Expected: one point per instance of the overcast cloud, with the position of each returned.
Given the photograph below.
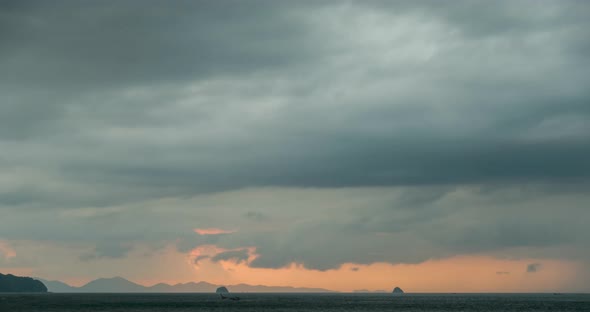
(323, 132)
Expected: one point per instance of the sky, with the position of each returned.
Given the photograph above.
(436, 146)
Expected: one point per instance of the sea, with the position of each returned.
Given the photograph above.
(293, 302)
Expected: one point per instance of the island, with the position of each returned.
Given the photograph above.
(222, 290)
(397, 291)
(11, 283)
(224, 294)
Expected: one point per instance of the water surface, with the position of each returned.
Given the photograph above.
(294, 302)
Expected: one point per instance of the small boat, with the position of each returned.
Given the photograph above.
(235, 298)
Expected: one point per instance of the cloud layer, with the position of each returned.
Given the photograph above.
(323, 133)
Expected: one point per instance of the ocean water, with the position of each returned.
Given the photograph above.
(294, 302)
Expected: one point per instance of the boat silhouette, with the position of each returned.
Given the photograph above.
(235, 298)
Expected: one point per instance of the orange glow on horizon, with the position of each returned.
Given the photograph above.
(464, 273)
(17, 271)
(476, 273)
(213, 231)
(6, 250)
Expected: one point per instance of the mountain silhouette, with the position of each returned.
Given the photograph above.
(12, 283)
(57, 286)
(115, 284)
(187, 287)
(121, 285)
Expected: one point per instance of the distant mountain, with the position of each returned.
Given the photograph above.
(11, 283)
(262, 288)
(369, 291)
(115, 285)
(101, 285)
(57, 286)
(187, 287)
(119, 284)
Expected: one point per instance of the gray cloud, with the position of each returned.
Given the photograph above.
(112, 42)
(107, 250)
(237, 256)
(446, 132)
(142, 101)
(328, 227)
(256, 216)
(533, 267)
(199, 258)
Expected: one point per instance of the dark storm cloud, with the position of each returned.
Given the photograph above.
(533, 267)
(370, 226)
(52, 54)
(109, 107)
(96, 44)
(237, 256)
(107, 250)
(79, 72)
(256, 216)
(190, 241)
(482, 18)
(199, 258)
